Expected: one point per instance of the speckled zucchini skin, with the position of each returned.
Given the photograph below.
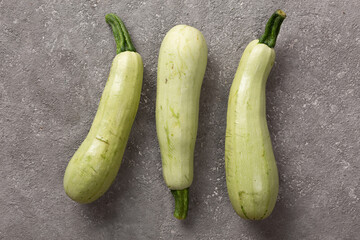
(96, 163)
(181, 69)
(251, 172)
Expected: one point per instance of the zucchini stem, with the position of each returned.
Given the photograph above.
(181, 203)
(117, 31)
(121, 35)
(129, 46)
(272, 28)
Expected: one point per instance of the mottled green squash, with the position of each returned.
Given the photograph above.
(181, 69)
(251, 172)
(96, 163)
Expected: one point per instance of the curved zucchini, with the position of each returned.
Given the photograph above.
(251, 172)
(95, 164)
(181, 69)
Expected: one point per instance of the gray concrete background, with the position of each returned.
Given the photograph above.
(54, 61)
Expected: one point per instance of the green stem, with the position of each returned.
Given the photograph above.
(117, 31)
(130, 46)
(121, 35)
(272, 28)
(181, 203)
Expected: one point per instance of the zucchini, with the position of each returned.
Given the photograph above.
(181, 68)
(96, 163)
(251, 172)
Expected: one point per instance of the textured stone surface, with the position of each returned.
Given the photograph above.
(54, 60)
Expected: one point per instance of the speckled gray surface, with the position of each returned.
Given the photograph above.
(54, 61)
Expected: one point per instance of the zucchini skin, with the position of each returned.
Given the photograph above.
(96, 163)
(251, 172)
(181, 68)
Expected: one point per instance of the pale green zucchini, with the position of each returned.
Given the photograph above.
(251, 172)
(181, 69)
(95, 164)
